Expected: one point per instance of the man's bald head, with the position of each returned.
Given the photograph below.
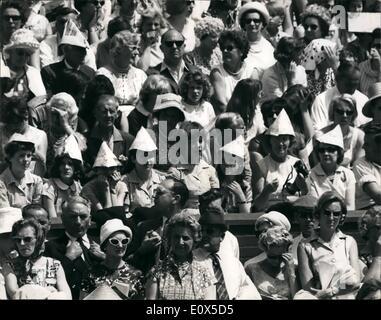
(172, 35)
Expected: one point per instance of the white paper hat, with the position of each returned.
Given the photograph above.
(333, 137)
(20, 138)
(105, 157)
(281, 126)
(72, 148)
(73, 36)
(235, 147)
(103, 292)
(143, 141)
(8, 216)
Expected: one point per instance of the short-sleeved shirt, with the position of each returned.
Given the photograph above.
(202, 113)
(320, 183)
(58, 192)
(186, 281)
(141, 193)
(25, 192)
(365, 172)
(94, 191)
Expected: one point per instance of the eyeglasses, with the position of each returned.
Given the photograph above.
(14, 18)
(256, 21)
(25, 239)
(342, 112)
(313, 27)
(178, 43)
(189, 2)
(98, 2)
(115, 242)
(328, 213)
(228, 48)
(327, 149)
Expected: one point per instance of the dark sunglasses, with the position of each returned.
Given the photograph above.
(102, 3)
(328, 149)
(256, 21)
(25, 239)
(329, 213)
(313, 27)
(178, 43)
(342, 112)
(14, 18)
(228, 48)
(116, 242)
(189, 2)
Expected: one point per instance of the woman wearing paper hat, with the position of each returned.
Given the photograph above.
(27, 79)
(141, 179)
(329, 175)
(113, 272)
(329, 271)
(372, 107)
(343, 112)
(277, 170)
(64, 178)
(106, 189)
(23, 187)
(237, 195)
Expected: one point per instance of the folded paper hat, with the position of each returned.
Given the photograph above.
(18, 137)
(103, 292)
(23, 39)
(333, 137)
(257, 6)
(168, 100)
(111, 226)
(72, 149)
(105, 157)
(281, 126)
(235, 147)
(276, 218)
(8, 216)
(143, 141)
(73, 36)
(374, 93)
(314, 53)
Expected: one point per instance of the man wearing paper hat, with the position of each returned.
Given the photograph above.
(372, 108)
(142, 180)
(73, 45)
(106, 189)
(367, 169)
(328, 174)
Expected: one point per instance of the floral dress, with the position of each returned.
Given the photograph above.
(186, 281)
(126, 281)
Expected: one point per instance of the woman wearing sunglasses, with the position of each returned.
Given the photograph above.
(28, 274)
(13, 17)
(113, 271)
(328, 262)
(328, 174)
(343, 112)
(179, 276)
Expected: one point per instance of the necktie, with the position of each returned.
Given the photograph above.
(222, 293)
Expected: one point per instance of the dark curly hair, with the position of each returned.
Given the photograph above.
(238, 37)
(15, 146)
(197, 77)
(117, 24)
(288, 49)
(15, 4)
(326, 199)
(76, 164)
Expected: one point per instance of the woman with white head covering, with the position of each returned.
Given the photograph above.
(328, 174)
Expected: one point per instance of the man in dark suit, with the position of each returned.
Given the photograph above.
(146, 247)
(74, 52)
(74, 249)
(173, 67)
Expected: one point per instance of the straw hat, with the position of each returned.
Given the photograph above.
(143, 141)
(333, 137)
(276, 218)
(73, 36)
(111, 226)
(72, 149)
(235, 147)
(23, 39)
(106, 158)
(281, 126)
(374, 93)
(254, 6)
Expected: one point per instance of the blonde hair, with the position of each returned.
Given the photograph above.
(124, 39)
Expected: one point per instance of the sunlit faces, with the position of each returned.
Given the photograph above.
(172, 45)
(76, 219)
(164, 195)
(280, 145)
(66, 169)
(212, 236)
(312, 29)
(106, 111)
(150, 25)
(116, 245)
(305, 221)
(230, 53)
(195, 92)
(181, 241)
(26, 241)
(21, 160)
(330, 216)
(328, 154)
(11, 20)
(253, 22)
(343, 113)
(144, 161)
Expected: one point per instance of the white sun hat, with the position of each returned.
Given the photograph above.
(112, 226)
